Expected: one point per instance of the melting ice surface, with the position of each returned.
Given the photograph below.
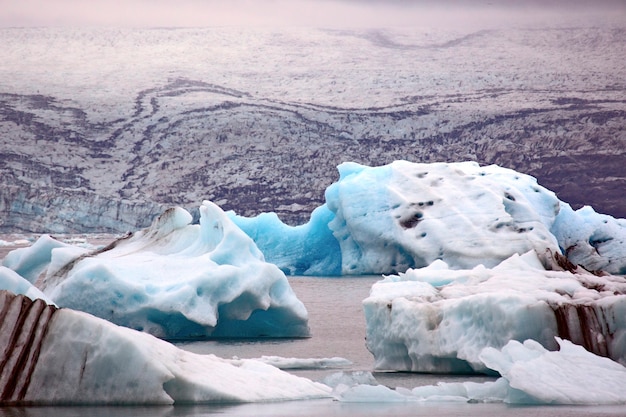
(530, 375)
(63, 356)
(483, 250)
(478, 253)
(387, 219)
(173, 280)
(15, 283)
(437, 319)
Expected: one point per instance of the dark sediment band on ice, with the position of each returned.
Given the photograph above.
(23, 326)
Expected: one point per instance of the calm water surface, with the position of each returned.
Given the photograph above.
(338, 330)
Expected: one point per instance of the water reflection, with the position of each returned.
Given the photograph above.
(320, 408)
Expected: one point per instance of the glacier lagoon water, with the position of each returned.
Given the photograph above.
(338, 329)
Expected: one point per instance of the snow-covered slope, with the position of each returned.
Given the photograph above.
(257, 120)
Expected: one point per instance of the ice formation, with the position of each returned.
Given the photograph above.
(15, 283)
(309, 249)
(62, 356)
(309, 363)
(405, 215)
(530, 375)
(596, 241)
(570, 376)
(177, 281)
(30, 262)
(437, 319)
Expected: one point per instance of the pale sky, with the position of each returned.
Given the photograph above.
(322, 13)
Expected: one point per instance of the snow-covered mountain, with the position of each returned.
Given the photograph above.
(101, 129)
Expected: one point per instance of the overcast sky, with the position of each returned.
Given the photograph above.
(324, 13)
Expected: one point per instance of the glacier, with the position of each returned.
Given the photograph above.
(387, 219)
(84, 147)
(531, 375)
(436, 319)
(62, 356)
(174, 280)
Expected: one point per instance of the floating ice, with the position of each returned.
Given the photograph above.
(177, 281)
(308, 363)
(530, 375)
(438, 320)
(368, 394)
(31, 261)
(570, 376)
(350, 379)
(86, 360)
(309, 249)
(405, 215)
(596, 241)
(11, 281)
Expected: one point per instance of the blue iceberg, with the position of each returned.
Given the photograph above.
(175, 280)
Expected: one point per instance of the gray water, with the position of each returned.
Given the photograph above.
(338, 329)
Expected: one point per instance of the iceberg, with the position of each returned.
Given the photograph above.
(439, 320)
(570, 376)
(62, 356)
(387, 219)
(15, 283)
(30, 262)
(308, 249)
(595, 241)
(176, 280)
(530, 375)
(406, 215)
(308, 363)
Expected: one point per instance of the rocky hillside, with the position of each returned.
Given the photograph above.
(101, 129)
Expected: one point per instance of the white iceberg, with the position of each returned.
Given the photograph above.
(15, 283)
(530, 375)
(439, 320)
(406, 215)
(179, 281)
(62, 356)
(595, 241)
(304, 363)
(570, 376)
(387, 219)
(30, 262)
